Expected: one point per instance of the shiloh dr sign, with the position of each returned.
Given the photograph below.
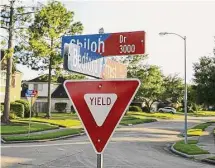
(100, 105)
(110, 44)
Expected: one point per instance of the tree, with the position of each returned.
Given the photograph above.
(204, 78)
(44, 36)
(151, 79)
(13, 19)
(173, 89)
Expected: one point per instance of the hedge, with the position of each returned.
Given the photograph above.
(60, 107)
(135, 108)
(26, 107)
(17, 108)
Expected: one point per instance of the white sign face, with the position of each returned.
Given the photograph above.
(100, 105)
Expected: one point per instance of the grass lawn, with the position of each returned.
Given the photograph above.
(204, 113)
(156, 115)
(198, 129)
(211, 158)
(17, 127)
(190, 148)
(135, 120)
(61, 119)
(49, 135)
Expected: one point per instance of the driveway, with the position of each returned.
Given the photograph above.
(144, 145)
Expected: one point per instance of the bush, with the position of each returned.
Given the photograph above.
(72, 109)
(2, 108)
(26, 107)
(12, 115)
(18, 109)
(60, 107)
(135, 108)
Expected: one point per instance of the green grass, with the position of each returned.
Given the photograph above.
(212, 158)
(204, 113)
(156, 115)
(198, 129)
(17, 127)
(61, 119)
(190, 148)
(127, 120)
(49, 135)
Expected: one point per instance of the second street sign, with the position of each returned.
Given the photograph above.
(83, 61)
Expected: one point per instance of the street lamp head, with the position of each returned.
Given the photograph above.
(163, 33)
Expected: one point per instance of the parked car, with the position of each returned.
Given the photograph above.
(167, 110)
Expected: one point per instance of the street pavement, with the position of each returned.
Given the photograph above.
(139, 146)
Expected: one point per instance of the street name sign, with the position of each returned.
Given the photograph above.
(80, 60)
(100, 105)
(110, 44)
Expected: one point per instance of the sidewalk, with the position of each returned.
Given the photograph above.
(207, 142)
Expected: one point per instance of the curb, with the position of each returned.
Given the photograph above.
(44, 140)
(180, 153)
(209, 161)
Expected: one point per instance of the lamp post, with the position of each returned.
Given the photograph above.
(185, 81)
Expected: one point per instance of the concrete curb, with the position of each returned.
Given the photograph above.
(180, 153)
(44, 140)
(209, 161)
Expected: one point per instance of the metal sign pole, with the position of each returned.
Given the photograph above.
(29, 127)
(100, 160)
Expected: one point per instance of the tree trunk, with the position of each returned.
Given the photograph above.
(48, 115)
(5, 117)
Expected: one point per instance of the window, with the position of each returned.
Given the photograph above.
(35, 86)
(3, 78)
(40, 87)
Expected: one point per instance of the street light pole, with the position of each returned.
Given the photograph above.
(185, 82)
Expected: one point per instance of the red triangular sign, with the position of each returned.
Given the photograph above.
(100, 105)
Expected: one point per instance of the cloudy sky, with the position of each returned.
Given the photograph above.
(193, 19)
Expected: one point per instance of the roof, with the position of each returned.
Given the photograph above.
(59, 92)
(42, 78)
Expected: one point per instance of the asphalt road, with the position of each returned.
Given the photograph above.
(140, 146)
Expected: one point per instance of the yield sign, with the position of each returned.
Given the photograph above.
(100, 105)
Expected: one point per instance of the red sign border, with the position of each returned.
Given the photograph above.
(105, 80)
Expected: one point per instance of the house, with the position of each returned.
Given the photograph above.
(15, 87)
(58, 94)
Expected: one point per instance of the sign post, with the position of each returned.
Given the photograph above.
(30, 94)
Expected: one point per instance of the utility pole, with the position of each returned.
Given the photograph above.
(5, 117)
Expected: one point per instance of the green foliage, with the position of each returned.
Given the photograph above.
(135, 108)
(2, 107)
(127, 120)
(44, 35)
(60, 107)
(12, 115)
(204, 77)
(26, 106)
(151, 79)
(18, 109)
(173, 89)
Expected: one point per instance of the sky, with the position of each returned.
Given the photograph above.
(193, 19)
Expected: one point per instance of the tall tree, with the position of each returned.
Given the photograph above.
(204, 77)
(13, 20)
(151, 79)
(44, 35)
(173, 89)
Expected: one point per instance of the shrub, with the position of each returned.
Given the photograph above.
(72, 109)
(26, 107)
(12, 115)
(17, 108)
(135, 108)
(2, 108)
(60, 107)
